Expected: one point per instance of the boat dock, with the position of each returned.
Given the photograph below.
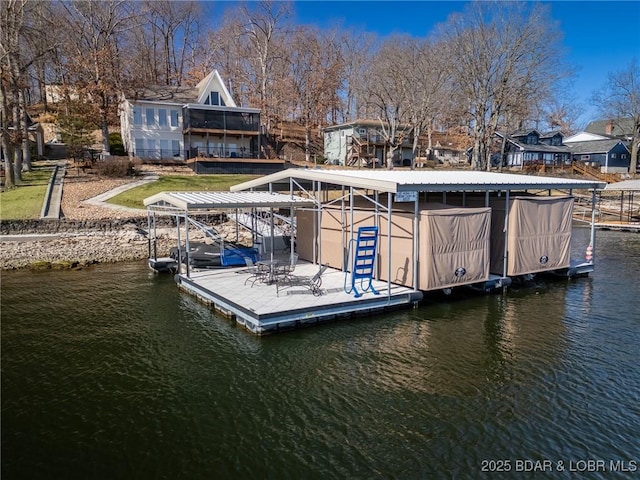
(404, 233)
(264, 308)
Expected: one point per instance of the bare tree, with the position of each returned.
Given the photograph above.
(316, 73)
(93, 54)
(19, 19)
(426, 89)
(163, 39)
(387, 87)
(228, 52)
(356, 51)
(503, 56)
(619, 100)
(264, 31)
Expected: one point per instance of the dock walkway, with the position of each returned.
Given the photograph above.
(263, 308)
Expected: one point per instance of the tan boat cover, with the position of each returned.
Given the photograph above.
(539, 234)
(453, 245)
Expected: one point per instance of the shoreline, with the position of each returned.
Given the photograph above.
(63, 246)
(75, 250)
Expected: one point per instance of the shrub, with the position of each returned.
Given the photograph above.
(114, 167)
(115, 144)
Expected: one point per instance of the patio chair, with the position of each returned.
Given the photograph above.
(256, 272)
(312, 283)
(316, 281)
(284, 271)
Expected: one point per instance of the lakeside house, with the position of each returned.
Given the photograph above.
(362, 143)
(202, 126)
(525, 148)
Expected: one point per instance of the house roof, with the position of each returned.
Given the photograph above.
(594, 146)
(583, 137)
(186, 95)
(360, 122)
(414, 180)
(168, 93)
(538, 147)
(224, 200)
(620, 127)
(552, 133)
(523, 133)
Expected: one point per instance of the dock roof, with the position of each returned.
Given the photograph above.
(416, 180)
(626, 185)
(222, 200)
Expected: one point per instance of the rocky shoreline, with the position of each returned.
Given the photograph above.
(61, 246)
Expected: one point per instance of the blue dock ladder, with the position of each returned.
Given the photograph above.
(364, 256)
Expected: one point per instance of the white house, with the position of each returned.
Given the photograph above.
(189, 123)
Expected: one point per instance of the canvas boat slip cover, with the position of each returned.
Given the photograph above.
(538, 232)
(364, 256)
(453, 244)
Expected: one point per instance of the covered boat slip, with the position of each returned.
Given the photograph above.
(264, 307)
(445, 246)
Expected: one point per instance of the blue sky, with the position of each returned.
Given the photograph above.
(600, 36)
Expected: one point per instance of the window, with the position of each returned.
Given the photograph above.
(164, 147)
(623, 156)
(151, 144)
(151, 117)
(614, 155)
(137, 116)
(174, 118)
(139, 146)
(585, 157)
(175, 146)
(214, 98)
(162, 117)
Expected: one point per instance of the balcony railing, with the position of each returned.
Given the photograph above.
(223, 152)
(160, 154)
(221, 120)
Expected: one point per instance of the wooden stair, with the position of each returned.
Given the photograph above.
(586, 170)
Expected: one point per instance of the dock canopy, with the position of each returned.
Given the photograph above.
(625, 186)
(417, 181)
(193, 201)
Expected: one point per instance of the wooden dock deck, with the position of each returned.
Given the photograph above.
(264, 308)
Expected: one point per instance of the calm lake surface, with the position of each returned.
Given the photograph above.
(113, 373)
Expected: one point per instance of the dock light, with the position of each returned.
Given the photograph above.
(589, 253)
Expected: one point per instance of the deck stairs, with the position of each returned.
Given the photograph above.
(592, 172)
(358, 151)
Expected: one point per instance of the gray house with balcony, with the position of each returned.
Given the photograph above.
(361, 142)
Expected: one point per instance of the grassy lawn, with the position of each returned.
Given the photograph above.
(25, 201)
(176, 183)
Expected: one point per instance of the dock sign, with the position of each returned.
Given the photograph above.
(406, 196)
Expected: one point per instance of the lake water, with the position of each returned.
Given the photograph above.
(112, 373)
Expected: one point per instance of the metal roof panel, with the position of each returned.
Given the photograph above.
(223, 200)
(424, 181)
